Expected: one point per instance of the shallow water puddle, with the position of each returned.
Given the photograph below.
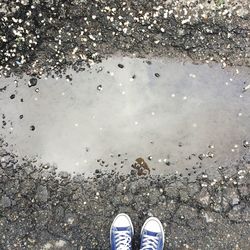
(173, 116)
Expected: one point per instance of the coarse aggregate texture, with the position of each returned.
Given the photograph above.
(42, 210)
(44, 36)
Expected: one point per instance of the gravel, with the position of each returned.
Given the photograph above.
(44, 36)
(40, 209)
(43, 209)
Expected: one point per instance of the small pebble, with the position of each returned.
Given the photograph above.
(32, 127)
(99, 87)
(32, 82)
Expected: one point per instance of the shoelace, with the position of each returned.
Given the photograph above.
(122, 240)
(149, 242)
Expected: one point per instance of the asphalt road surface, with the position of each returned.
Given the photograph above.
(145, 134)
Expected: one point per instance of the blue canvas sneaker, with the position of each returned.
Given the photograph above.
(152, 235)
(121, 233)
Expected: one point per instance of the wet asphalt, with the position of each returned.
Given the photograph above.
(43, 210)
(42, 207)
(38, 37)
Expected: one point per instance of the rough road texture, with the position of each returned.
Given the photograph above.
(43, 36)
(40, 210)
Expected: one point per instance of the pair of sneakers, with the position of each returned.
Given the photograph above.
(122, 231)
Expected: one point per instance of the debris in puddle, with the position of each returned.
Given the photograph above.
(246, 144)
(99, 69)
(69, 78)
(210, 155)
(141, 166)
(32, 82)
(167, 163)
(32, 127)
(3, 89)
(150, 157)
(99, 87)
(201, 156)
(246, 88)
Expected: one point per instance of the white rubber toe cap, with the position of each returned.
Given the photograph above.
(122, 220)
(152, 224)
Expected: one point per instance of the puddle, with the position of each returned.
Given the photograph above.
(174, 116)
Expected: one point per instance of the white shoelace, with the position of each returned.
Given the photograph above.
(149, 242)
(122, 240)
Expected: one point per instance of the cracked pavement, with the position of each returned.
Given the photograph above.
(42, 208)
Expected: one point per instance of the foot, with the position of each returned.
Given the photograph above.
(121, 233)
(152, 235)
